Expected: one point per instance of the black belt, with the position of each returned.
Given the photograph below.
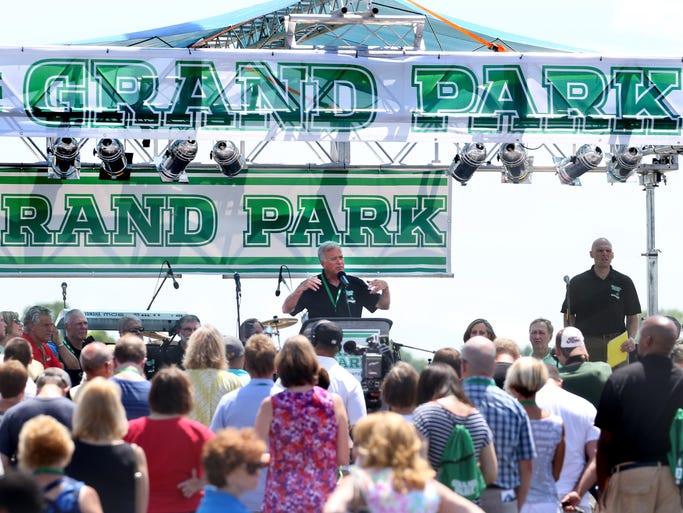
(622, 467)
(604, 336)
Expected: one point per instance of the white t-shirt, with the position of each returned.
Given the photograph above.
(349, 388)
(578, 416)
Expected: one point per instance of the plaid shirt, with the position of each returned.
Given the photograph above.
(508, 422)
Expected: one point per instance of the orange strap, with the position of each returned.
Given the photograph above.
(487, 44)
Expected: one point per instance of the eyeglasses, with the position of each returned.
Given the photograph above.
(135, 330)
(253, 468)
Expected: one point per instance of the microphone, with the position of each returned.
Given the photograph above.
(279, 280)
(341, 275)
(64, 291)
(238, 284)
(566, 279)
(170, 273)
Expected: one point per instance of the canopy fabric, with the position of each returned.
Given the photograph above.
(441, 30)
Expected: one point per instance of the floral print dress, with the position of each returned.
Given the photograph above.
(382, 498)
(303, 452)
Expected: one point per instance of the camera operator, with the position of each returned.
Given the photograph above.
(326, 337)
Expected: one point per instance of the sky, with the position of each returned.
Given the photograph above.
(511, 244)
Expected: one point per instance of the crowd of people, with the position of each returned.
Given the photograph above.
(221, 424)
(198, 436)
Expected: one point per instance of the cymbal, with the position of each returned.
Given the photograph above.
(277, 322)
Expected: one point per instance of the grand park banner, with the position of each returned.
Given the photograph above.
(318, 96)
(389, 222)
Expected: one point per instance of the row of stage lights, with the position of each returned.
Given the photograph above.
(65, 161)
(517, 165)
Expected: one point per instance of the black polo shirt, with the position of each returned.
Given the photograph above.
(600, 306)
(637, 406)
(320, 303)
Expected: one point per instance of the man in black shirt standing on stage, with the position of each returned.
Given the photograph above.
(327, 296)
(598, 301)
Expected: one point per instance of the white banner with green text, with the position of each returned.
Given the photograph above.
(389, 222)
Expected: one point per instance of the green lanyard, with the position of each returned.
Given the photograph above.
(329, 294)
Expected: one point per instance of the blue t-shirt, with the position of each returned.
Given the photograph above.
(134, 397)
(215, 501)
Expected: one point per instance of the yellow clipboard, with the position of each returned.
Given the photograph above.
(615, 356)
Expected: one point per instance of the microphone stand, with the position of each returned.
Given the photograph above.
(346, 299)
(157, 291)
(238, 301)
(400, 346)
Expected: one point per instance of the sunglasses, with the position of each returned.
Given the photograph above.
(135, 330)
(253, 468)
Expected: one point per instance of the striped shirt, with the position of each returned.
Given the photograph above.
(509, 424)
(435, 423)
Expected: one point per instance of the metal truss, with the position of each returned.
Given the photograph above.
(267, 31)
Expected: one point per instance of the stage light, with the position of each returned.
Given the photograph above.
(571, 168)
(113, 157)
(228, 158)
(172, 166)
(623, 163)
(467, 161)
(65, 159)
(516, 163)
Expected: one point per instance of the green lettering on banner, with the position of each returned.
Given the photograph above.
(355, 362)
(125, 90)
(133, 219)
(314, 223)
(27, 217)
(55, 92)
(367, 218)
(83, 223)
(267, 96)
(198, 100)
(314, 98)
(193, 221)
(265, 215)
(507, 105)
(442, 91)
(641, 100)
(415, 220)
(346, 98)
(577, 96)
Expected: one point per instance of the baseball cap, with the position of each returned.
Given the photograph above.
(328, 333)
(233, 347)
(571, 337)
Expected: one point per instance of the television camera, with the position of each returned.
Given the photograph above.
(378, 355)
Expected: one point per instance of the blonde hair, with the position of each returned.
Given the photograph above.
(526, 376)
(386, 440)
(205, 350)
(99, 414)
(44, 442)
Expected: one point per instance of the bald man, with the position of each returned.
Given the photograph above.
(636, 409)
(509, 424)
(602, 303)
(97, 359)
